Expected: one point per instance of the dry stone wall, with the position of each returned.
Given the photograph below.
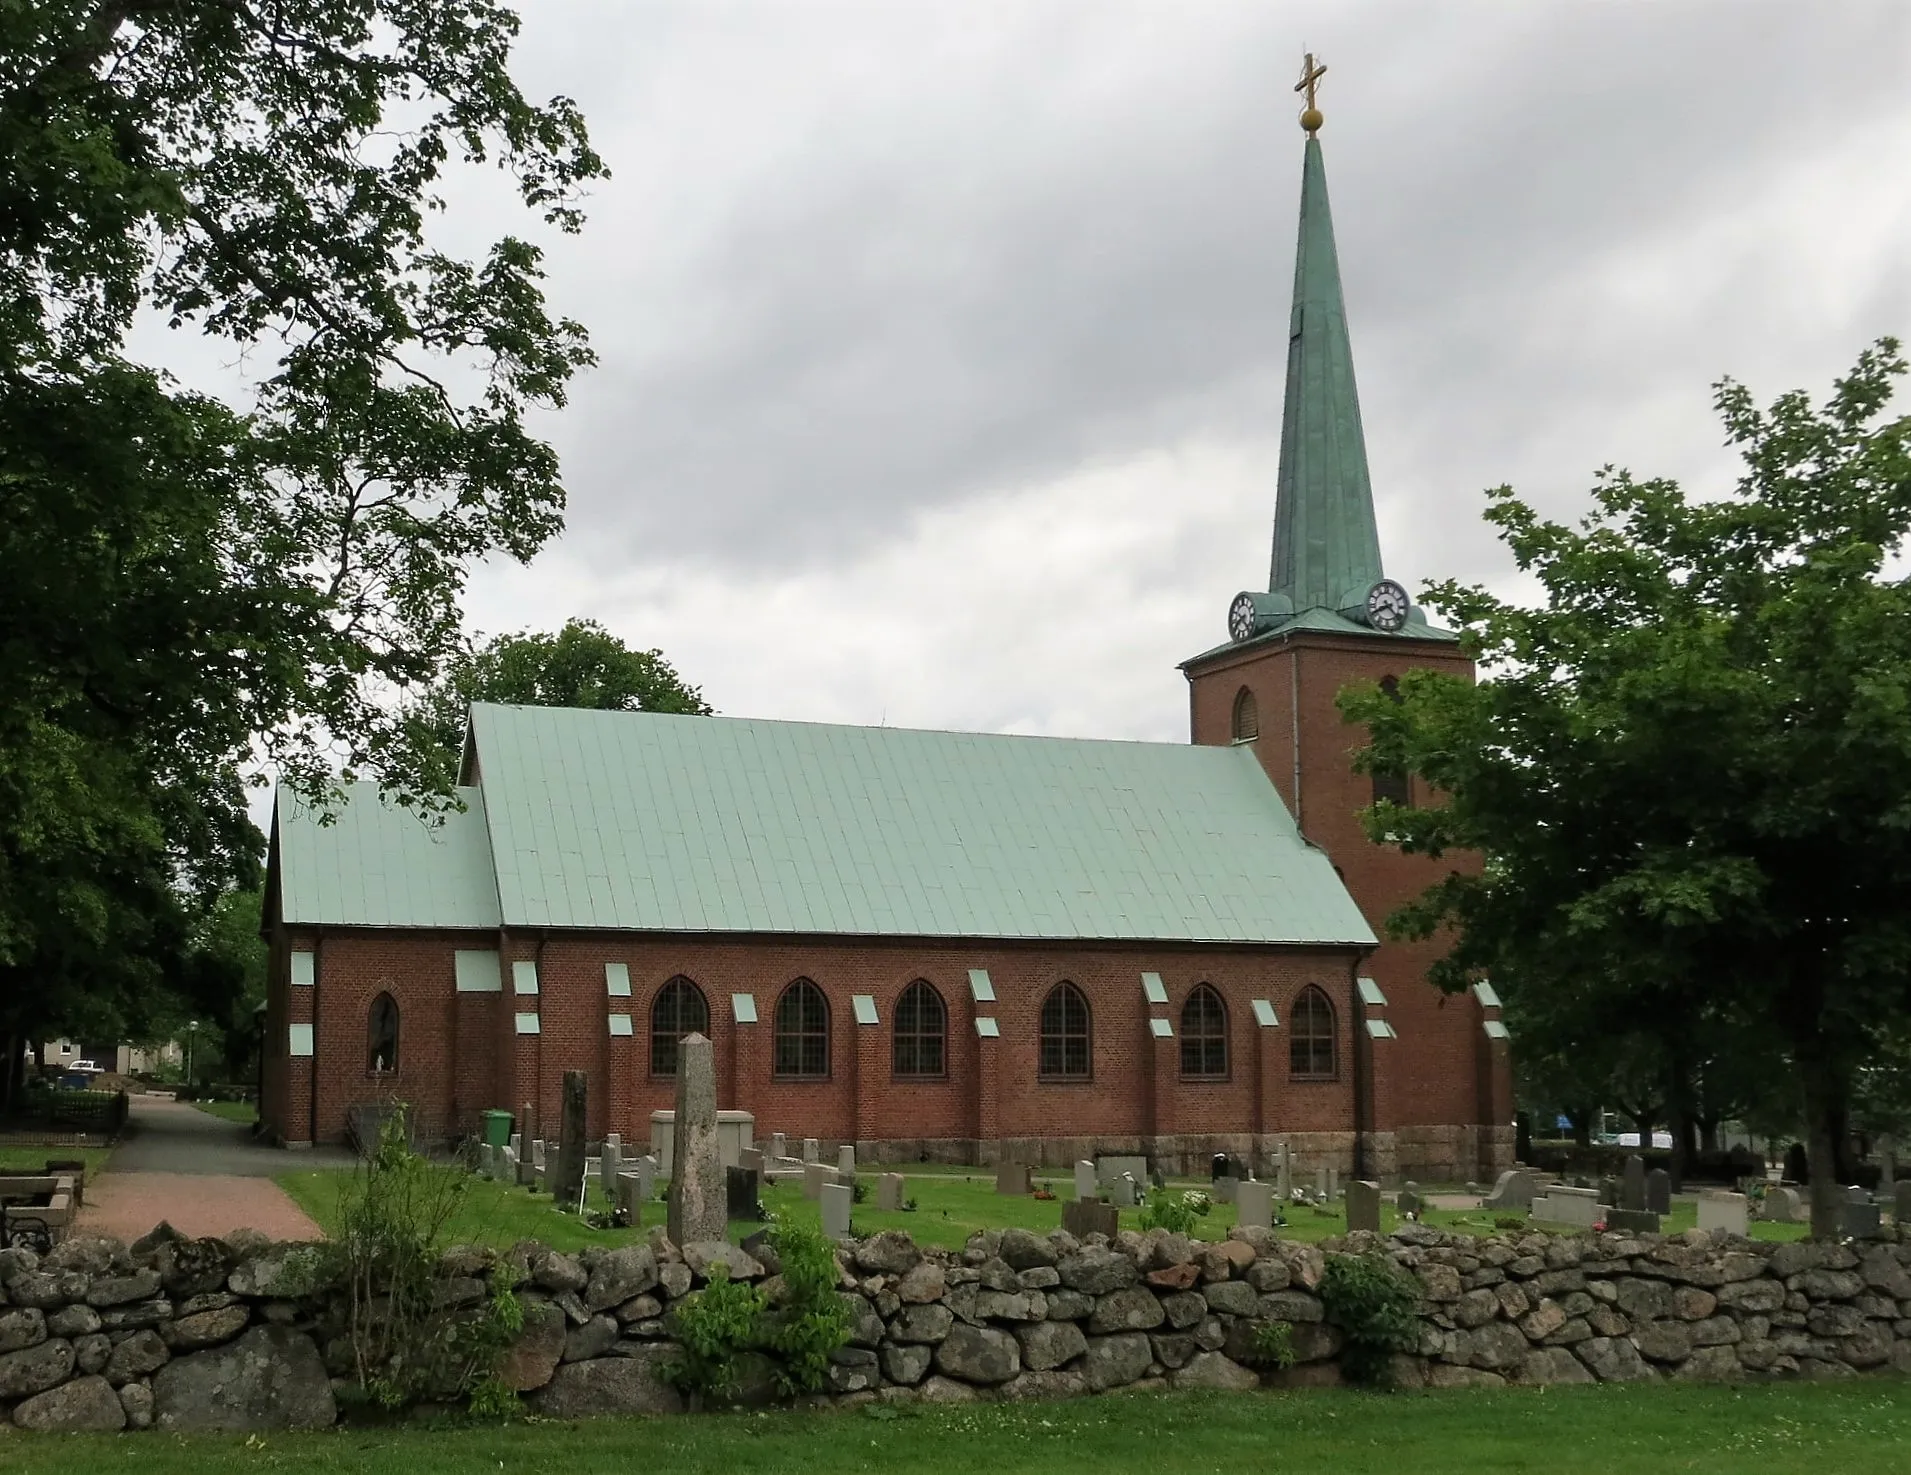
(231, 1334)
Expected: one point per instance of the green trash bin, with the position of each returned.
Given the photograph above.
(497, 1128)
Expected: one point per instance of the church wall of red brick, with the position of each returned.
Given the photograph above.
(460, 1053)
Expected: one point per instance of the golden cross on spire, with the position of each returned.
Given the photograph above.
(1311, 73)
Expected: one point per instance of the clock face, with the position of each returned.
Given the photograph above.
(1387, 606)
(1241, 619)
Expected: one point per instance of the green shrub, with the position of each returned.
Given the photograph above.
(1272, 1345)
(715, 1327)
(1175, 1210)
(813, 1323)
(1375, 1304)
(393, 1215)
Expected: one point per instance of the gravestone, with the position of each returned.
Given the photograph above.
(1363, 1206)
(1861, 1217)
(1724, 1211)
(779, 1146)
(1410, 1200)
(889, 1192)
(517, 1142)
(836, 1204)
(846, 1159)
(537, 1152)
(1577, 1207)
(812, 1150)
(1781, 1206)
(1320, 1185)
(1612, 1191)
(526, 1163)
(1082, 1217)
(1084, 1179)
(1512, 1190)
(1224, 1189)
(1901, 1206)
(527, 1120)
(1632, 1221)
(696, 1182)
(1284, 1174)
(1110, 1166)
(740, 1196)
(1254, 1204)
(751, 1158)
(1659, 1191)
(1333, 1185)
(567, 1184)
(1013, 1177)
(610, 1162)
(1797, 1164)
(508, 1165)
(1632, 1184)
(631, 1197)
(1888, 1168)
(1124, 1192)
(815, 1175)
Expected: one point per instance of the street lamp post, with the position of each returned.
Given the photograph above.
(192, 1026)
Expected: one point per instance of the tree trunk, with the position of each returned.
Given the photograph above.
(1826, 1128)
(1582, 1125)
(1708, 1134)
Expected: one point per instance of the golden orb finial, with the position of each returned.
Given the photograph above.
(1311, 73)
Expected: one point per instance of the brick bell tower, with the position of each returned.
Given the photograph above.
(1433, 1087)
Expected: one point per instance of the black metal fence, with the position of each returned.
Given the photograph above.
(89, 1113)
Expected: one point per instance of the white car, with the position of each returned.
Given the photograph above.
(86, 1065)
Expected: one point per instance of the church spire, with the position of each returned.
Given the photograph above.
(1326, 544)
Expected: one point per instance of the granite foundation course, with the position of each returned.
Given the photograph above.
(229, 1334)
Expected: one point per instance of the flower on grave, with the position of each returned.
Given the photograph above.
(1197, 1201)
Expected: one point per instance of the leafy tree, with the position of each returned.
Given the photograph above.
(583, 665)
(187, 584)
(1687, 765)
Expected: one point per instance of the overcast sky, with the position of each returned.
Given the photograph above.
(942, 345)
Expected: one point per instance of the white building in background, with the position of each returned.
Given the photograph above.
(122, 1060)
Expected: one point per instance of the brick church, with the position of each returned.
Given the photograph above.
(930, 944)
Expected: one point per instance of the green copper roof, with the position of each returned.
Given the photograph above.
(641, 820)
(1326, 545)
(1326, 621)
(378, 865)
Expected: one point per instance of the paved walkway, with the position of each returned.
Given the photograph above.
(200, 1174)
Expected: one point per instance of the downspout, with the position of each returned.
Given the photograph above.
(1363, 1069)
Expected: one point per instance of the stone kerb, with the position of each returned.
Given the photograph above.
(229, 1334)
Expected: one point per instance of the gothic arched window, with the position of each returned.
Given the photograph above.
(1391, 783)
(802, 1033)
(1204, 1035)
(1247, 716)
(1311, 1045)
(921, 1031)
(381, 1035)
(679, 1009)
(1065, 1053)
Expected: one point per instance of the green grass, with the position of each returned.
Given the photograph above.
(1858, 1428)
(245, 1112)
(951, 1205)
(34, 1159)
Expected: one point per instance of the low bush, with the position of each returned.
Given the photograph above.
(1175, 1210)
(1375, 1304)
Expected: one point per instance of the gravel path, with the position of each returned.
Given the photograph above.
(202, 1175)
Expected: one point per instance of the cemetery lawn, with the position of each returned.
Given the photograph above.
(246, 1112)
(1861, 1427)
(35, 1159)
(950, 1206)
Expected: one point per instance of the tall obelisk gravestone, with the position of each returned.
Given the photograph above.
(697, 1191)
(570, 1148)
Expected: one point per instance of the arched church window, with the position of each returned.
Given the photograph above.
(802, 1033)
(679, 1009)
(1391, 784)
(921, 1030)
(1311, 1045)
(1247, 716)
(1204, 1035)
(381, 1035)
(1065, 1052)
